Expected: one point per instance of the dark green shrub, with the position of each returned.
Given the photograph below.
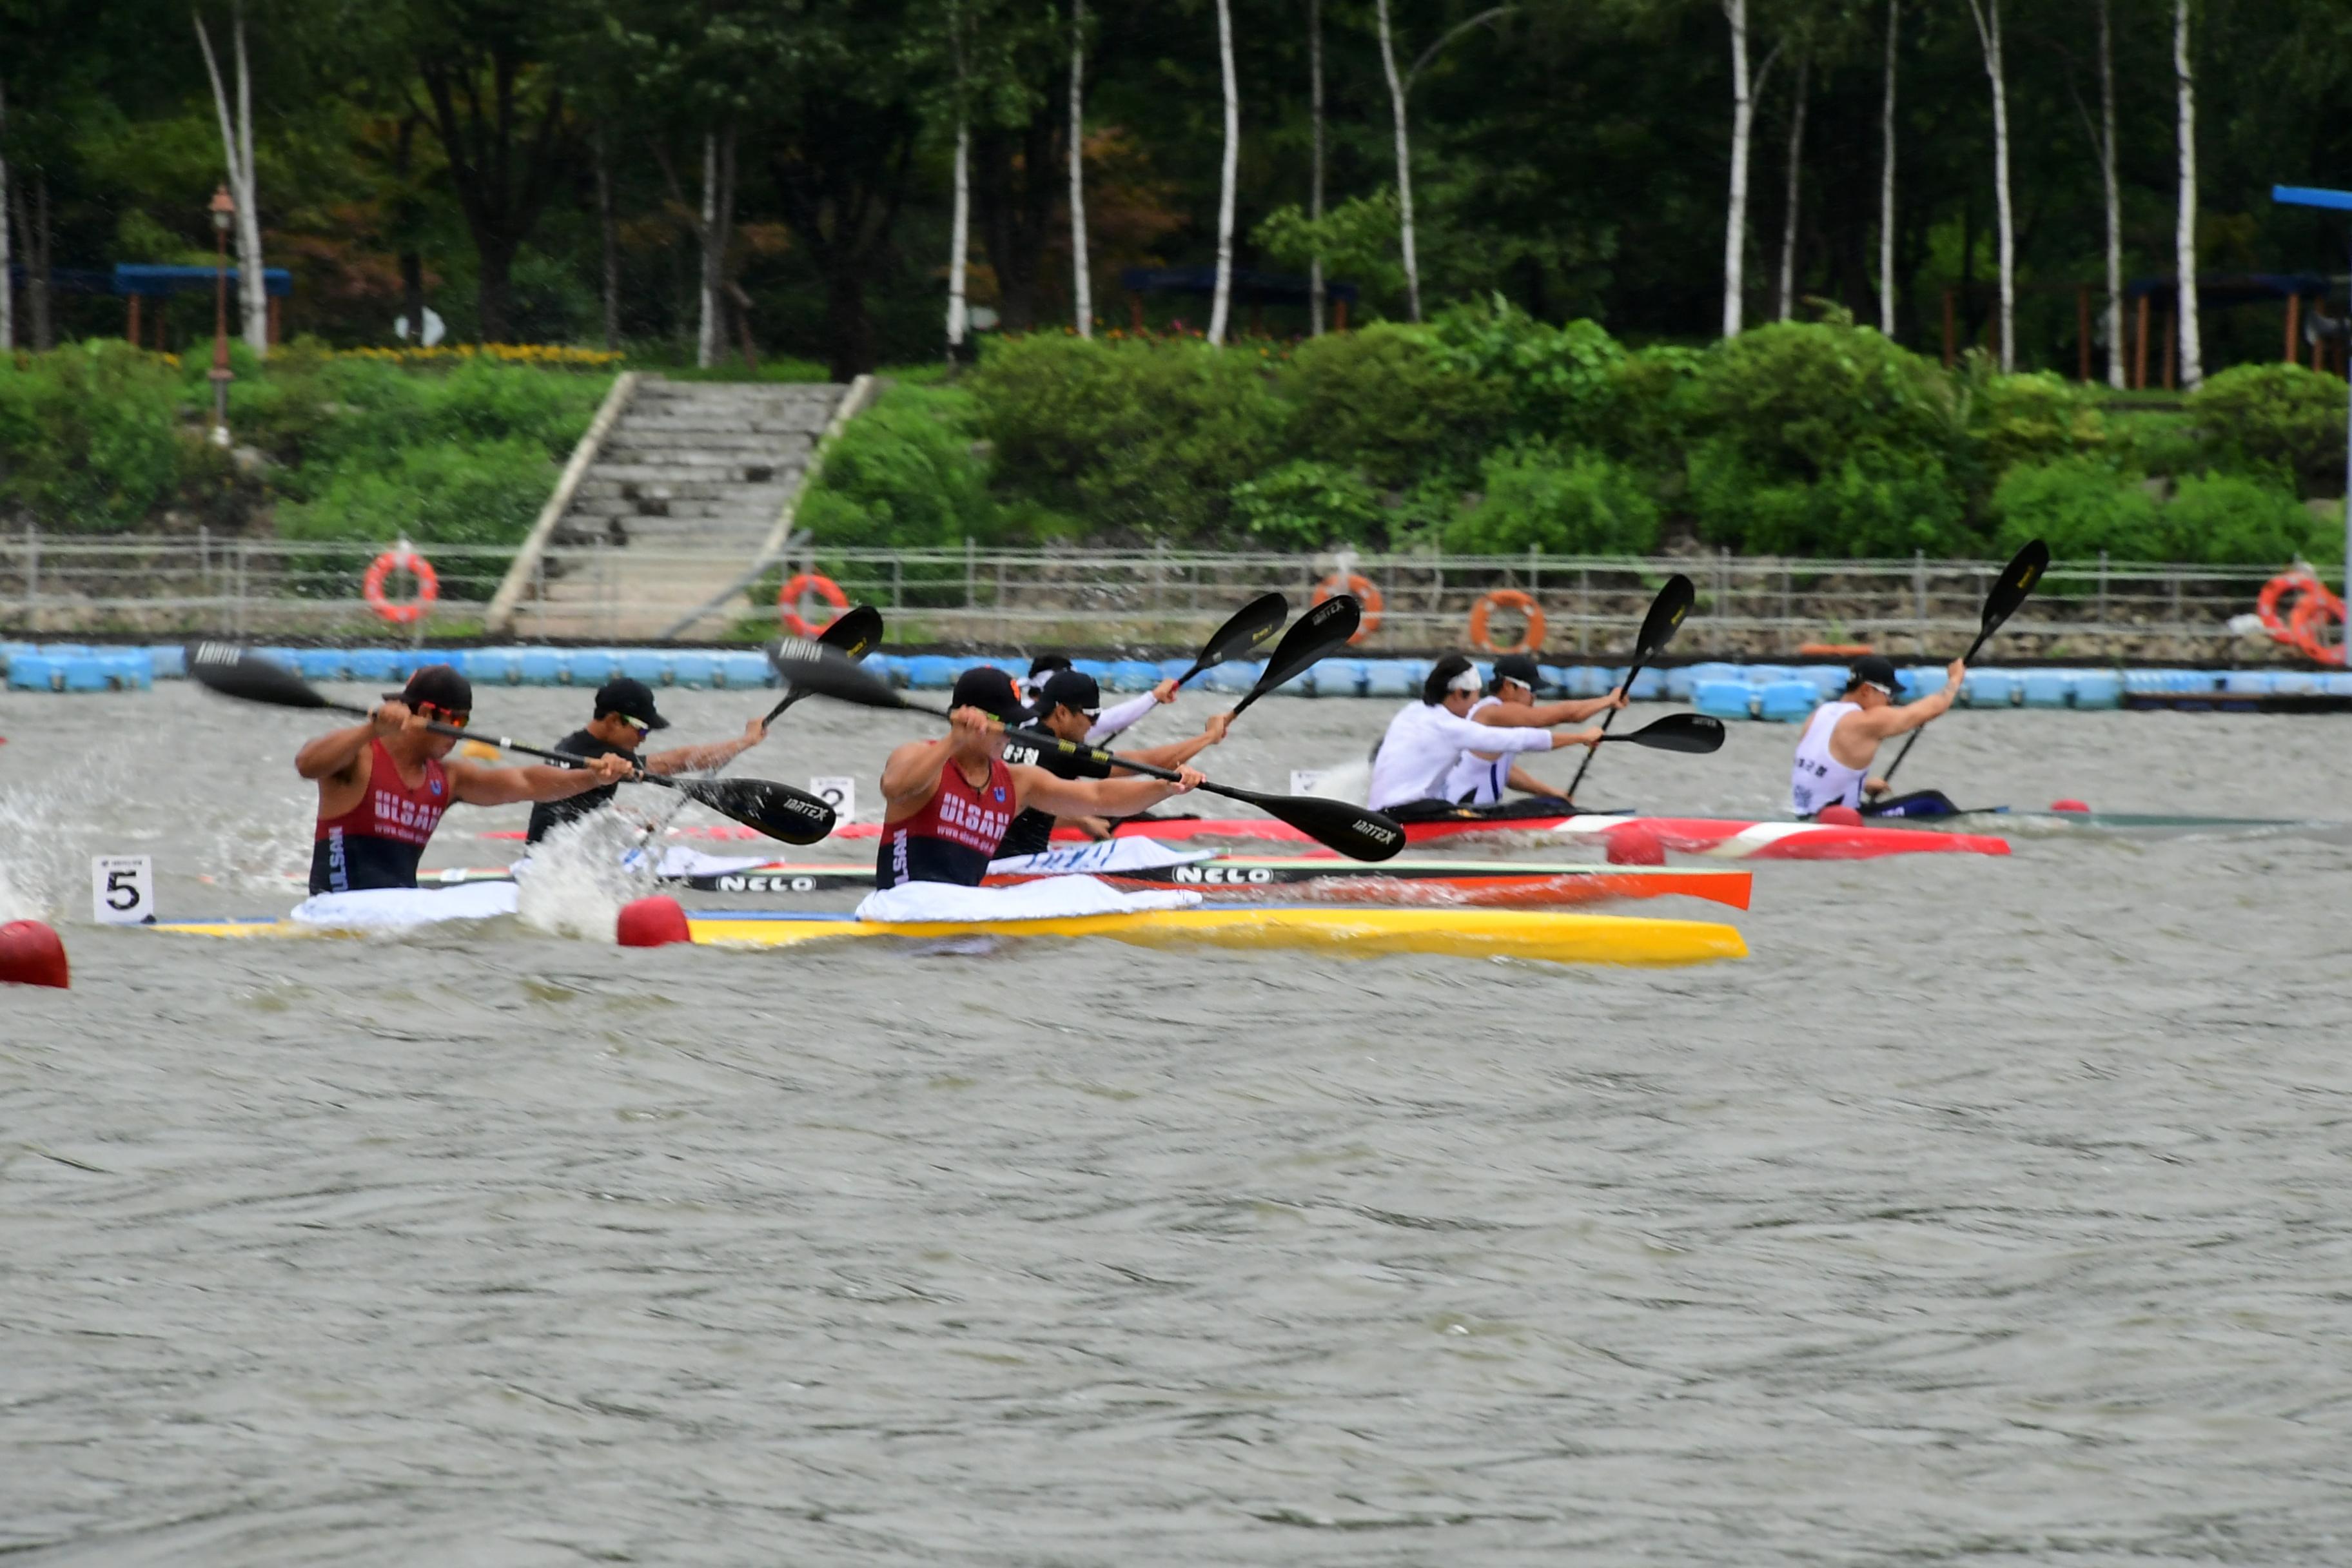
(90, 439)
(1800, 402)
(2034, 418)
(1306, 505)
(904, 474)
(1386, 400)
(1557, 381)
(2078, 506)
(1655, 403)
(486, 493)
(1149, 437)
(1561, 503)
(1892, 507)
(2227, 518)
(2278, 417)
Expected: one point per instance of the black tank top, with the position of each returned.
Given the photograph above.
(547, 816)
(1032, 832)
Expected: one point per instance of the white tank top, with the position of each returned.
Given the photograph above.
(1474, 779)
(1818, 779)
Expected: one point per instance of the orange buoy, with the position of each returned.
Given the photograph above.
(788, 600)
(653, 922)
(2079, 807)
(1839, 816)
(1635, 846)
(1506, 599)
(400, 558)
(1366, 595)
(31, 954)
(2312, 610)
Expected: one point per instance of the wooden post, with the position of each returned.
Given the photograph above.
(131, 332)
(1948, 340)
(1340, 316)
(2083, 331)
(2171, 348)
(2294, 325)
(2140, 348)
(1134, 309)
(275, 301)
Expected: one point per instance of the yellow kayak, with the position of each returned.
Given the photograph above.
(1550, 936)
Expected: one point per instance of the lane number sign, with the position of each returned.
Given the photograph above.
(122, 889)
(841, 794)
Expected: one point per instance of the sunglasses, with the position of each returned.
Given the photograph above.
(639, 725)
(455, 718)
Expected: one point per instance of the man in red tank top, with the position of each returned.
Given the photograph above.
(950, 800)
(384, 784)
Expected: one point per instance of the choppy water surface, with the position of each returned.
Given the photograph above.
(1994, 1211)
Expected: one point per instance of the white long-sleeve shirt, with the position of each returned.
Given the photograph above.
(1424, 742)
(1111, 721)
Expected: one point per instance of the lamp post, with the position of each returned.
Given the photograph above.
(224, 211)
(2333, 201)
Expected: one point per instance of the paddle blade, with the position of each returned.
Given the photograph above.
(1697, 733)
(1242, 633)
(2015, 582)
(810, 665)
(856, 632)
(1666, 617)
(1319, 633)
(235, 671)
(780, 811)
(1353, 831)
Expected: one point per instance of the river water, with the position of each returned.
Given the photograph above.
(1994, 1211)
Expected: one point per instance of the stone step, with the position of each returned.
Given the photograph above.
(669, 439)
(599, 508)
(724, 475)
(702, 460)
(685, 484)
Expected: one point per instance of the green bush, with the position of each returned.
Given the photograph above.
(1557, 381)
(904, 474)
(1147, 436)
(1387, 401)
(1806, 401)
(1891, 508)
(484, 493)
(1655, 403)
(89, 435)
(2277, 417)
(1563, 504)
(2078, 506)
(1306, 505)
(2034, 418)
(2227, 518)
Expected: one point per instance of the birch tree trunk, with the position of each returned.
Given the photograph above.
(1743, 123)
(1987, 14)
(1315, 187)
(2184, 238)
(236, 153)
(1221, 306)
(1081, 293)
(2115, 201)
(709, 333)
(1404, 161)
(1796, 164)
(960, 238)
(1887, 181)
(7, 288)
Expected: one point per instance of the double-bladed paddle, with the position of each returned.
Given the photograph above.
(1243, 631)
(780, 811)
(2007, 592)
(1697, 733)
(1349, 830)
(856, 632)
(1321, 631)
(1658, 628)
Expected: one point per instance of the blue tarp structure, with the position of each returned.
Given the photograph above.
(2222, 290)
(142, 278)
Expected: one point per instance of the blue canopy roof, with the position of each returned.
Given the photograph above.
(144, 277)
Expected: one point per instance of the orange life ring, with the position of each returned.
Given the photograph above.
(2295, 579)
(1366, 595)
(2310, 612)
(788, 600)
(400, 558)
(1506, 599)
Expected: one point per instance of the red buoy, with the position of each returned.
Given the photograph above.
(1839, 816)
(653, 922)
(1635, 846)
(31, 954)
(2075, 806)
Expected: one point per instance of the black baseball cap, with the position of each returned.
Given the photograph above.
(989, 689)
(1069, 688)
(1521, 668)
(1046, 663)
(1442, 675)
(1875, 669)
(631, 700)
(439, 685)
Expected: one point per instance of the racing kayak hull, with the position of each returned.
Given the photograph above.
(1548, 937)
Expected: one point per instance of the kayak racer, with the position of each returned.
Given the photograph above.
(625, 715)
(1069, 706)
(1479, 778)
(1429, 738)
(950, 802)
(1842, 739)
(383, 784)
(1109, 721)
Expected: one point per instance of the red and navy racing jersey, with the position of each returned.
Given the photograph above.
(954, 837)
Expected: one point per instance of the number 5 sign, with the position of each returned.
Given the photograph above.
(122, 889)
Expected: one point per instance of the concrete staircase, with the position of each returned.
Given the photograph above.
(687, 489)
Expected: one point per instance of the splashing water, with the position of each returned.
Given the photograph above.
(577, 880)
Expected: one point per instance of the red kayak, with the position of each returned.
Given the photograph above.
(1627, 840)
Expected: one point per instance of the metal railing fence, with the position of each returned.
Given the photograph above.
(53, 585)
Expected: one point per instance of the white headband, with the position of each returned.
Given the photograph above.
(1466, 681)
